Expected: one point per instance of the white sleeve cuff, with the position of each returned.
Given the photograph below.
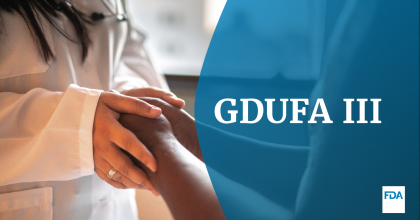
(90, 99)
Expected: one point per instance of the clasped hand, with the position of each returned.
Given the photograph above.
(110, 137)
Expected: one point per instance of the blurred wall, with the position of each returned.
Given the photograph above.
(184, 87)
(175, 37)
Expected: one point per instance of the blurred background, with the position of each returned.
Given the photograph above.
(178, 33)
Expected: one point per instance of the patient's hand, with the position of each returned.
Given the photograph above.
(157, 135)
(183, 125)
(181, 178)
(153, 133)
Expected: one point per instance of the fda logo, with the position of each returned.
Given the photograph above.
(393, 199)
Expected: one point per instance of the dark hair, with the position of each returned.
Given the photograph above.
(30, 10)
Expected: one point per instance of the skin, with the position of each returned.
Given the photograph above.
(182, 124)
(109, 137)
(279, 158)
(182, 178)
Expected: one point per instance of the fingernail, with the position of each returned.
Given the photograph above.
(177, 99)
(182, 101)
(155, 192)
(152, 167)
(155, 109)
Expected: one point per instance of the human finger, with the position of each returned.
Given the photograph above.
(126, 140)
(118, 160)
(167, 96)
(105, 167)
(130, 105)
(111, 182)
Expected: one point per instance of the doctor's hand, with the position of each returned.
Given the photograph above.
(109, 137)
(168, 97)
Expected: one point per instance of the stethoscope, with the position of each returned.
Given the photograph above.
(97, 16)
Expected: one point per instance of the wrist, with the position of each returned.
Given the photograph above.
(190, 141)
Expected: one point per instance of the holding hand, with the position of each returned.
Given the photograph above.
(183, 125)
(109, 137)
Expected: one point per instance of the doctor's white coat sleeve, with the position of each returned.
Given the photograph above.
(135, 69)
(46, 136)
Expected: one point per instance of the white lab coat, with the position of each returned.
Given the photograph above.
(47, 112)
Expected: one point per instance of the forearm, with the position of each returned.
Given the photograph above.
(181, 178)
(183, 182)
(36, 125)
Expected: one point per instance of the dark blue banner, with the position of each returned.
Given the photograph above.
(310, 109)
